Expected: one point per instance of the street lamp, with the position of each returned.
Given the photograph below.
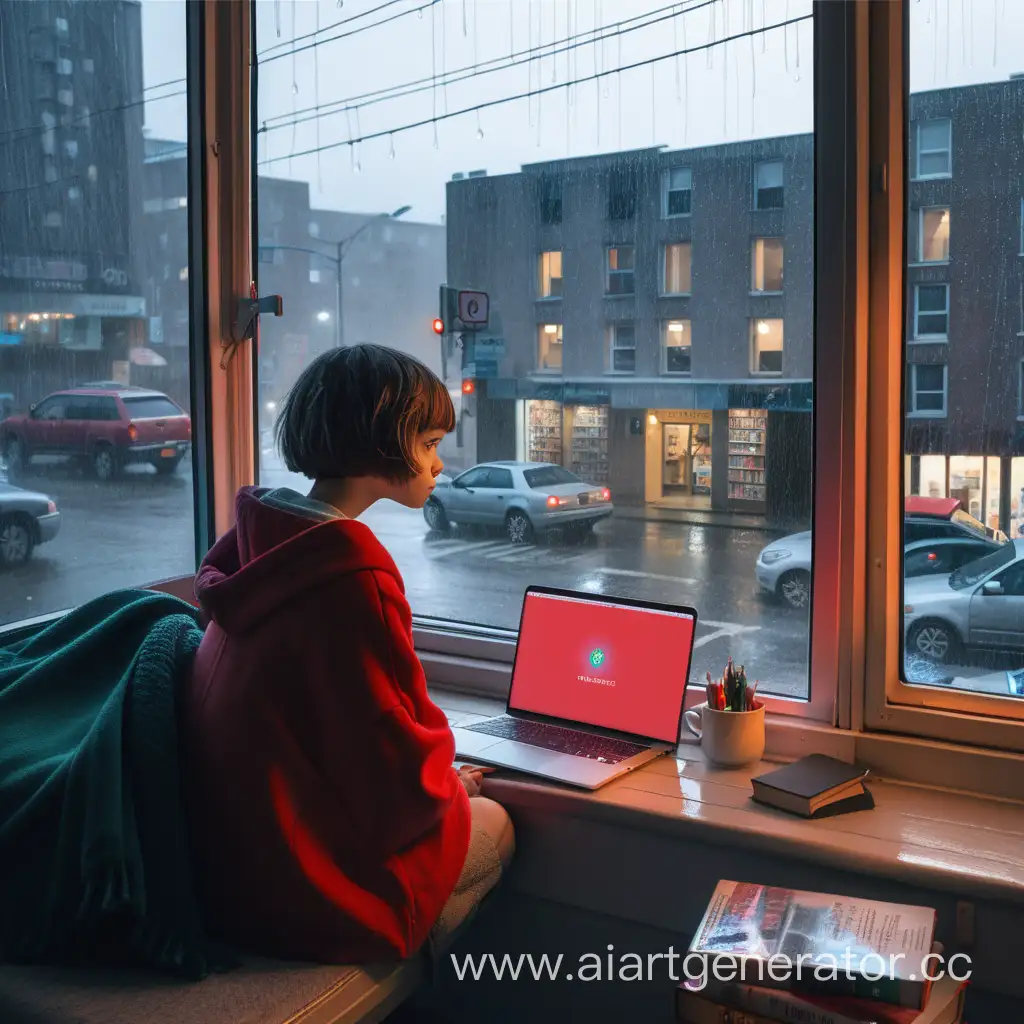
(341, 251)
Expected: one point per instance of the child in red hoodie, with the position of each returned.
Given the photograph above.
(329, 822)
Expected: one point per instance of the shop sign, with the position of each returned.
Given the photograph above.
(683, 415)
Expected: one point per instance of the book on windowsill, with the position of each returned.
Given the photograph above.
(732, 1003)
(816, 786)
(820, 943)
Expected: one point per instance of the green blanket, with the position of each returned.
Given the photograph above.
(94, 862)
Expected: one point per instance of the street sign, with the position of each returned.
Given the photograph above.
(473, 307)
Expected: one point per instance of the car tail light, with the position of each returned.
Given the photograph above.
(552, 502)
(133, 432)
(606, 494)
(51, 507)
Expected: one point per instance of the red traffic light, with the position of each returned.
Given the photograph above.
(438, 326)
(468, 387)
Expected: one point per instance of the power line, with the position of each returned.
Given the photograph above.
(39, 184)
(504, 63)
(538, 92)
(327, 28)
(352, 32)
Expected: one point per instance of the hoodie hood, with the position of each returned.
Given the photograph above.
(271, 556)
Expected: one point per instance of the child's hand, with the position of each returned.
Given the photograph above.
(471, 776)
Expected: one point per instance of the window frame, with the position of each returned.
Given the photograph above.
(609, 273)
(916, 335)
(752, 339)
(541, 331)
(754, 290)
(928, 414)
(918, 176)
(1020, 389)
(666, 188)
(758, 164)
(688, 330)
(921, 211)
(614, 346)
(985, 728)
(664, 292)
(543, 261)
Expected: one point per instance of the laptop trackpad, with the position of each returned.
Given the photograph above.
(510, 754)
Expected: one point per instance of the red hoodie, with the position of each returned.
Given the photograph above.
(328, 821)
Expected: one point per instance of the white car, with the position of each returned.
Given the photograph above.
(784, 569)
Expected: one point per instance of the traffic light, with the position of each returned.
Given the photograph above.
(469, 386)
(438, 325)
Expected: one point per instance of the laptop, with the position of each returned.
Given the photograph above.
(598, 686)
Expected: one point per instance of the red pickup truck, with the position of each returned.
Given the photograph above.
(108, 425)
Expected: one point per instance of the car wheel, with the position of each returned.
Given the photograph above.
(105, 464)
(933, 639)
(16, 457)
(794, 587)
(434, 514)
(16, 540)
(519, 528)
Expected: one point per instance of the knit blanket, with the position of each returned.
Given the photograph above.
(94, 855)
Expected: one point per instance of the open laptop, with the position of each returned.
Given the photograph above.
(598, 686)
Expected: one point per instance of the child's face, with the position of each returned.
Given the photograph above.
(414, 492)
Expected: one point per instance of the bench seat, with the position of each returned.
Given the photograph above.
(260, 991)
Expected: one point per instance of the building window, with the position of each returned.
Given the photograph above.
(931, 311)
(620, 270)
(549, 347)
(622, 189)
(623, 344)
(766, 346)
(1020, 250)
(183, 274)
(677, 190)
(1020, 393)
(314, 277)
(928, 384)
(549, 196)
(314, 229)
(933, 234)
(934, 148)
(768, 185)
(676, 346)
(550, 264)
(71, 149)
(767, 265)
(88, 65)
(53, 220)
(677, 269)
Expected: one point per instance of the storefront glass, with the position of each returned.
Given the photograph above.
(965, 482)
(544, 431)
(590, 442)
(748, 435)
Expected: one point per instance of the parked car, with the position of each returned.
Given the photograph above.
(981, 604)
(27, 518)
(784, 567)
(524, 498)
(943, 517)
(107, 425)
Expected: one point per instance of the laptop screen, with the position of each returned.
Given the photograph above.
(614, 666)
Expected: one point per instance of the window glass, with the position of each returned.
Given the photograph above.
(549, 476)
(963, 384)
(150, 407)
(92, 139)
(608, 352)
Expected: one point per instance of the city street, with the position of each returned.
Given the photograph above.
(139, 529)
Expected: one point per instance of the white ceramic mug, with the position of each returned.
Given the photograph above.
(729, 739)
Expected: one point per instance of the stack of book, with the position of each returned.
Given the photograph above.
(767, 954)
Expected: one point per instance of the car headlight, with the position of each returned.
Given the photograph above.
(770, 557)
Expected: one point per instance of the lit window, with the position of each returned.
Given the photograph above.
(934, 146)
(549, 347)
(314, 229)
(53, 220)
(927, 389)
(620, 270)
(677, 191)
(64, 66)
(931, 311)
(766, 346)
(314, 277)
(623, 347)
(71, 148)
(767, 265)
(933, 232)
(677, 346)
(92, 173)
(768, 186)
(183, 274)
(677, 269)
(550, 264)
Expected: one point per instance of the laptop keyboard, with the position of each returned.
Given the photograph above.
(557, 738)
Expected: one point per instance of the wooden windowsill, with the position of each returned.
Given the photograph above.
(918, 835)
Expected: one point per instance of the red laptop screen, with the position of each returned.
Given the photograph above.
(609, 665)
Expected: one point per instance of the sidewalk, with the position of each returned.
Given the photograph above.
(695, 517)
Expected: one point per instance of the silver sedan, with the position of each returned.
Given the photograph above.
(27, 518)
(523, 498)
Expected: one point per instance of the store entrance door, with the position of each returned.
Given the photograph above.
(678, 460)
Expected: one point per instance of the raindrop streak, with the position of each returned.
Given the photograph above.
(796, 77)
(785, 38)
(995, 33)
(675, 46)
(753, 84)
(391, 149)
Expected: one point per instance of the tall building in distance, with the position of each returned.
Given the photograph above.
(71, 304)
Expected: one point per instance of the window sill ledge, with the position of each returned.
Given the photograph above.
(917, 835)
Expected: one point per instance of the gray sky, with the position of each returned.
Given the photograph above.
(753, 86)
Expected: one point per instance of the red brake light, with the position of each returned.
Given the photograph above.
(932, 556)
(552, 502)
(438, 326)
(606, 494)
(51, 507)
(133, 432)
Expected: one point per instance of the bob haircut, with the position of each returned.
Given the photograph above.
(357, 411)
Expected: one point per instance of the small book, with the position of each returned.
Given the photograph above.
(819, 943)
(729, 1003)
(814, 787)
